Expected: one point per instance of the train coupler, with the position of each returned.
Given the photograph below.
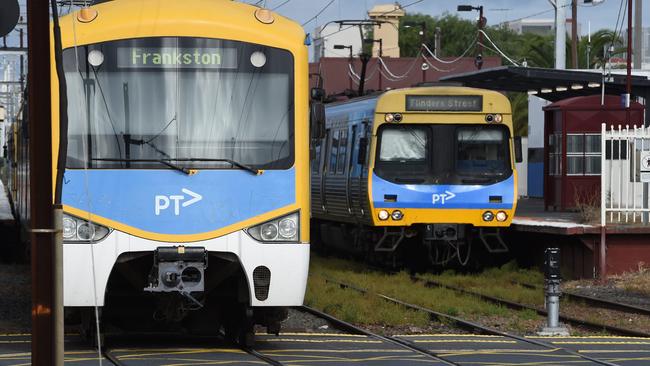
(179, 269)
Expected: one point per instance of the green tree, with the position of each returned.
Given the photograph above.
(519, 104)
(456, 34)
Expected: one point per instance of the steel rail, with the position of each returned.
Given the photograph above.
(466, 324)
(517, 306)
(343, 325)
(113, 359)
(262, 357)
(591, 300)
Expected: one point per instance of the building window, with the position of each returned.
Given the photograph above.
(555, 154)
(583, 154)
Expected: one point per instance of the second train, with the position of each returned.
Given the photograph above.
(419, 175)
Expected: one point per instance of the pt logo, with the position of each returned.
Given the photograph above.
(163, 202)
(442, 197)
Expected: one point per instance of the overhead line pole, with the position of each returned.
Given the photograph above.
(638, 33)
(574, 34)
(629, 55)
(45, 337)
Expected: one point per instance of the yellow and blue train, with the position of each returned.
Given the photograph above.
(422, 171)
(186, 184)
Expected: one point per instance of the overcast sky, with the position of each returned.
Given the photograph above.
(496, 11)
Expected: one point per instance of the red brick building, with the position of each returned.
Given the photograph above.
(339, 73)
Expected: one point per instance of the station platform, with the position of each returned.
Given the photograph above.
(6, 216)
(344, 349)
(531, 217)
(627, 244)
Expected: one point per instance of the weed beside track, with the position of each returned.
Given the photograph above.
(371, 312)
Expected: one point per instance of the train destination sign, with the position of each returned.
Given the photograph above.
(444, 103)
(174, 57)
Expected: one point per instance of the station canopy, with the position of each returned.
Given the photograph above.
(550, 84)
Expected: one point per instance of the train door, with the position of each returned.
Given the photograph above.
(325, 157)
(359, 163)
(351, 169)
(316, 176)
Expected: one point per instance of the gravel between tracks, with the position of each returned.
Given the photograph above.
(15, 298)
(609, 292)
(300, 321)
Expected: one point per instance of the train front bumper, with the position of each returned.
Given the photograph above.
(414, 216)
(288, 265)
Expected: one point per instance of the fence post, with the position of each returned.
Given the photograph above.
(602, 272)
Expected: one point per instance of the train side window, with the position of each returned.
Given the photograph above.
(334, 151)
(343, 147)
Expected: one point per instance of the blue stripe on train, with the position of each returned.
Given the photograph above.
(433, 196)
(169, 202)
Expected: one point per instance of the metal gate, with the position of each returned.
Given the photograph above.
(625, 167)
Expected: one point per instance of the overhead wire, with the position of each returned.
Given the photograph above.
(406, 74)
(426, 60)
(280, 5)
(318, 13)
(381, 14)
(497, 48)
(433, 55)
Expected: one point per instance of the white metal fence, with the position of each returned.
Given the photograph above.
(625, 167)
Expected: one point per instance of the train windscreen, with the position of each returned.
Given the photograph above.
(443, 154)
(188, 101)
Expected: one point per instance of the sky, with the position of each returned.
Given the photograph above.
(496, 11)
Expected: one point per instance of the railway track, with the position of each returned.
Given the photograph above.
(348, 328)
(517, 306)
(602, 303)
(469, 325)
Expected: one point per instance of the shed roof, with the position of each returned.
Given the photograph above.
(550, 84)
(592, 102)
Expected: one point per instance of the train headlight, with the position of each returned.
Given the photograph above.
(76, 230)
(393, 117)
(383, 215)
(494, 118)
(269, 231)
(288, 228)
(397, 215)
(69, 228)
(488, 216)
(502, 216)
(282, 229)
(85, 231)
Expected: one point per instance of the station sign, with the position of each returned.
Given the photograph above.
(444, 103)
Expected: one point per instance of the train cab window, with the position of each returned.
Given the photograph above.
(402, 144)
(403, 154)
(481, 150)
(443, 154)
(343, 147)
(334, 151)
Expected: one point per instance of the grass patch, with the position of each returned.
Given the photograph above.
(637, 282)
(498, 282)
(351, 306)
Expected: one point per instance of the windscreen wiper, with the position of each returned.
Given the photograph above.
(230, 161)
(159, 161)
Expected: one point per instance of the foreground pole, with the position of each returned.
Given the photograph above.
(46, 336)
